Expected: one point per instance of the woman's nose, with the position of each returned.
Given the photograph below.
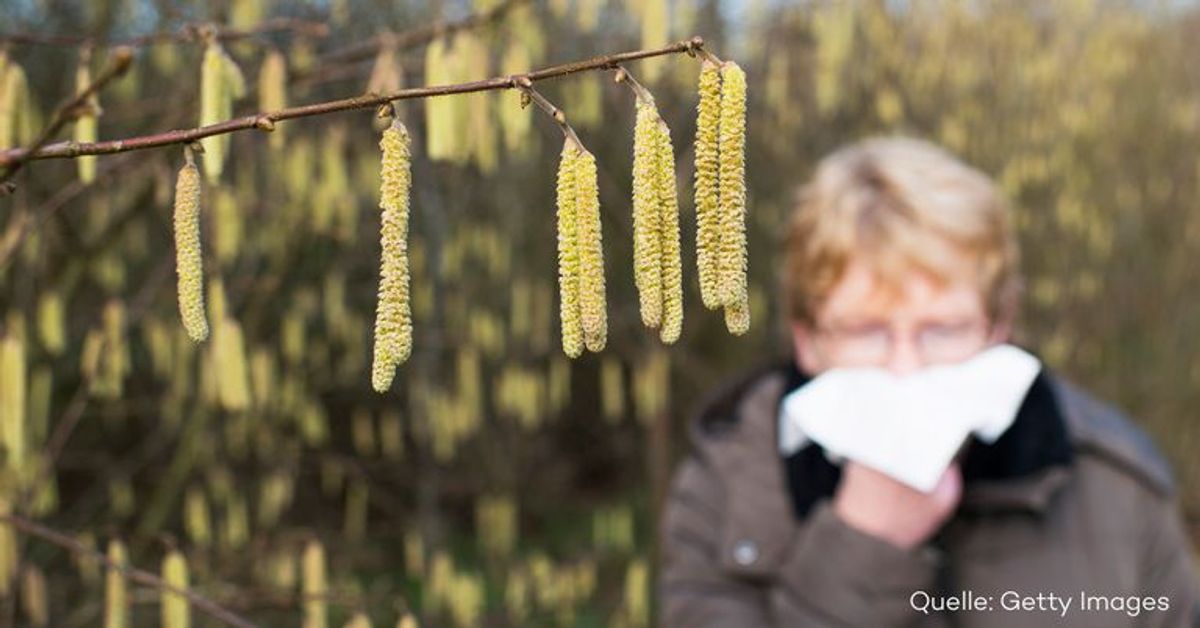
(905, 358)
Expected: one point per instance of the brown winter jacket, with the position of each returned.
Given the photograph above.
(1073, 500)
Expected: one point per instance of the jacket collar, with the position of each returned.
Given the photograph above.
(1020, 470)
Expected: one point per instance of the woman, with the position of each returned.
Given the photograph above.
(901, 257)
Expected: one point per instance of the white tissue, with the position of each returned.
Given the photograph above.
(908, 427)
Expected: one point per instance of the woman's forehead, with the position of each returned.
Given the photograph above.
(862, 292)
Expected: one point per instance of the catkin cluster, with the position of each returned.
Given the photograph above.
(580, 253)
(721, 192)
(657, 265)
(188, 262)
(221, 82)
(393, 317)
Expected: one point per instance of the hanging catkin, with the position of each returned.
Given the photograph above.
(313, 585)
(85, 124)
(568, 250)
(13, 406)
(174, 606)
(393, 318)
(708, 113)
(647, 216)
(672, 271)
(188, 263)
(592, 301)
(221, 81)
(272, 90)
(732, 186)
(116, 595)
(737, 317)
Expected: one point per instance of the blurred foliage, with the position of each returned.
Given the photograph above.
(499, 482)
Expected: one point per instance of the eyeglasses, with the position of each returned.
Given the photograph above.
(872, 343)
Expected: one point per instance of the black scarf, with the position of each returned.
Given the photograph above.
(1036, 439)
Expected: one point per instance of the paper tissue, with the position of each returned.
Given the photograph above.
(908, 427)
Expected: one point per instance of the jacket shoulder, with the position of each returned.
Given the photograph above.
(1099, 429)
(717, 412)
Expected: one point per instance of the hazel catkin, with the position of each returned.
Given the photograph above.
(671, 260)
(708, 113)
(116, 594)
(86, 124)
(592, 301)
(732, 186)
(393, 316)
(174, 606)
(188, 262)
(568, 250)
(647, 223)
(272, 91)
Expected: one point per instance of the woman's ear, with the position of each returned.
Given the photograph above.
(807, 356)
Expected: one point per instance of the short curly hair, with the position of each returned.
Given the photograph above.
(904, 204)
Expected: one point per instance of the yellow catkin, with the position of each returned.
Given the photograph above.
(174, 606)
(8, 549)
(272, 91)
(196, 517)
(732, 185)
(671, 258)
(188, 263)
(221, 82)
(51, 327)
(737, 317)
(214, 102)
(592, 301)
(313, 575)
(516, 121)
(647, 216)
(33, 596)
(708, 115)
(393, 316)
(13, 392)
(439, 112)
(116, 595)
(86, 124)
(568, 250)
(233, 383)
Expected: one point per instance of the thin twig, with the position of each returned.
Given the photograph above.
(417, 36)
(266, 120)
(144, 578)
(118, 63)
(185, 34)
(639, 90)
(526, 86)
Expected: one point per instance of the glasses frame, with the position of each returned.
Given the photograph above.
(973, 337)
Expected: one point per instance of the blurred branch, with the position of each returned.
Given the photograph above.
(145, 578)
(118, 63)
(185, 34)
(417, 36)
(266, 120)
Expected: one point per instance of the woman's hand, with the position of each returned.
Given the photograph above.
(885, 508)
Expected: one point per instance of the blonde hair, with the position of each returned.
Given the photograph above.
(903, 204)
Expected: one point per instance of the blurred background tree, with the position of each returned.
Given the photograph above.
(499, 482)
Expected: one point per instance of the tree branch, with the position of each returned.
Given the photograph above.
(186, 33)
(118, 63)
(417, 36)
(145, 578)
(266, 120)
